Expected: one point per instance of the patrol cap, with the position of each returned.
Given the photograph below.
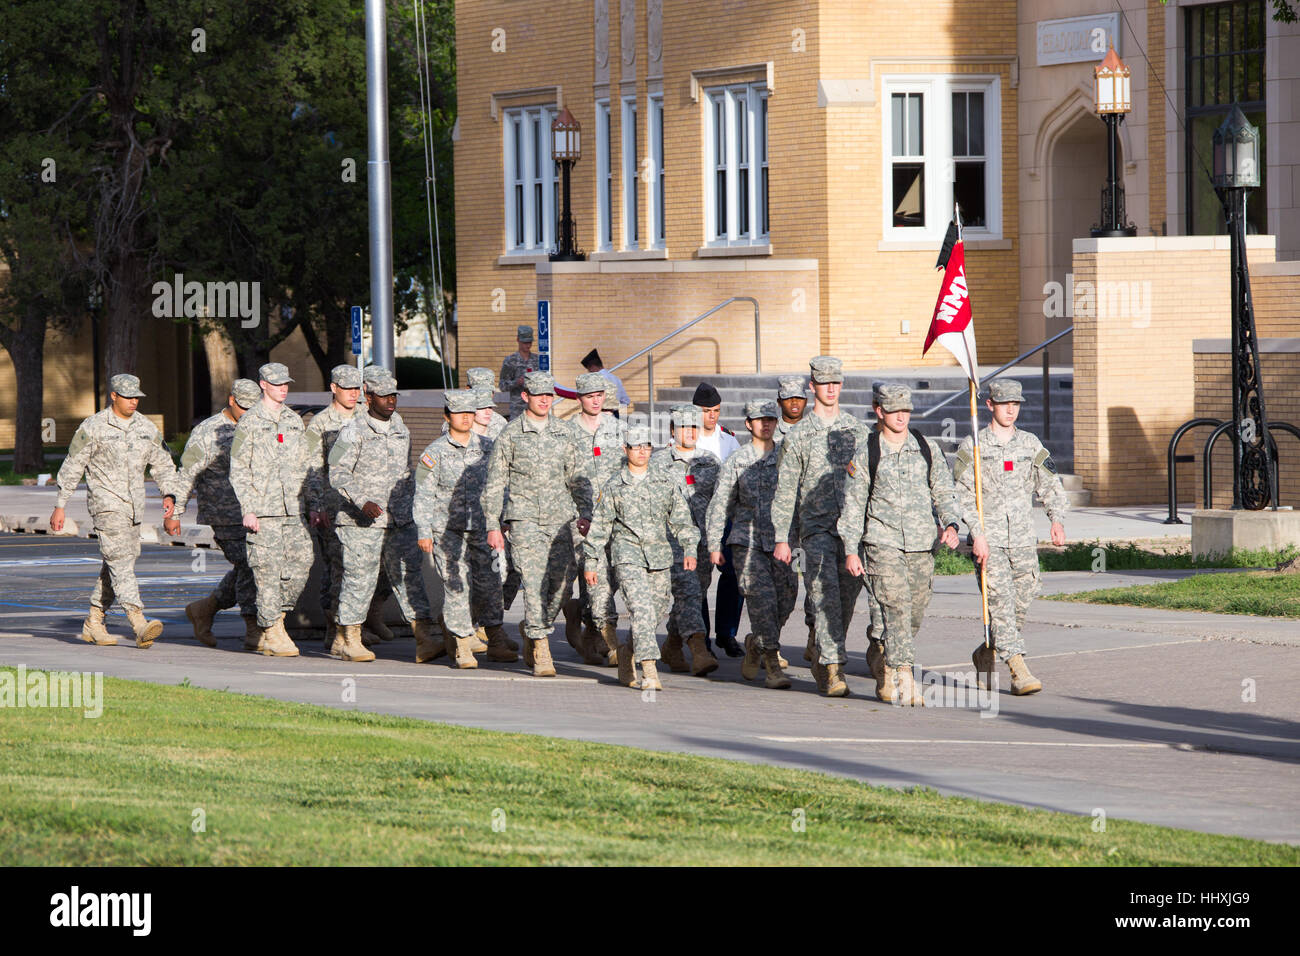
(382, 383)
(371, 372)
(345, 376)
(826, 368)
(891, 396)
(246, 392)
(761, 408)
(524, 333)
(461, 400)
(273, 373)
(126, 386)
(539, 383)
(591, 382)
(637, 435)
(1001, 390)
(685, 416)
(792, 386)
(611, 394)
(484, 398)
(480, 378)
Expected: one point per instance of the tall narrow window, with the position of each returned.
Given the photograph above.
(516, 127)
(762, 141)
(604, 177)
(656, 205)
(631, 227)
(968, 156)
(532, 180)
(719, 101)
(737, 139)
(907, 114)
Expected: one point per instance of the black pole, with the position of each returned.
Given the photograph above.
(1113, 212)
(1234, 195)
(567, 248)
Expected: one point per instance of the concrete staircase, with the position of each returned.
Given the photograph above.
(948, 426)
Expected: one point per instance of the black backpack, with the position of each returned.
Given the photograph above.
(873, 454)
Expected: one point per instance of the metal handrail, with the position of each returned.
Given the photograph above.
(996, 372)
(650, 361)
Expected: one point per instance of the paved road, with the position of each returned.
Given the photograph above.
(1142, 715)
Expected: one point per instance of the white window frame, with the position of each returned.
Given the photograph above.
(753, 96)
(532, 244)
(940, 167)
(656, 210)
(604, 179)
(633, 234)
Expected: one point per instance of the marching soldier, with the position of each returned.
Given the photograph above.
(1014, 466)
(792, 396)
(896, 485)
(517, 365)
(637, 509)
(112, 448)
(592, 363)
(369, 467)
(533, 454)
(487, 421)
(744, 496)
(268, 471)
(727, 602)
(815, 458)
(205, 470)
(697, 473)
(449, 481)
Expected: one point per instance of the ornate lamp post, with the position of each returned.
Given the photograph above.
(1236, 170)
(1111, 85)
(566, 149)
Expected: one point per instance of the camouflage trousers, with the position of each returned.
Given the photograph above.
(598, 607)
(510, 584)
(648, 595)
(543, 556)
(331, 571)
(689, 594)
(119, 546)
(769, 588)
(280, 556)
(902, 581)
(237, 587)
(365, 550)
(832, 591)
(471, 584)
(1013, 580)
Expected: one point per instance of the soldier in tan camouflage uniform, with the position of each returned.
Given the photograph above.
(893, 512)
(268, 471)
(370, 469)
(535, 460)
(515, 367)
(696, 471)
(449, 481)
(744, 495)
(636, 511)
(1014, 466)
(112, 448)
(205, 470)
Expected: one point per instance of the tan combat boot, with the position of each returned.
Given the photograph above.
(818, 670)
(876, 662)
(753, 658)
(887, 686)
(335, 639)
(528, 646)
(984, 660)
(543, 666)
(479, 642)
(594, 650)
(464, 652)
(276, 642)
(907, 694)
(201, 613)
(375, 620)
(810, 652)
(609, 634)
(572, 609)
(350, 647)
(672, 653)
(835, 683)
(498, 647)
(650, 676)
(702, 660)
(1022, 682)
(776, 679)
(252, 633)
(626, 667)
(428, 646)
(146, 631)
(762, 661)
(94, 631)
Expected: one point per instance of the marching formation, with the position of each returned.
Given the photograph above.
(535, 505)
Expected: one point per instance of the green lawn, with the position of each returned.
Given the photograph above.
(1250, 592)
(1086, 555)
(282, 783)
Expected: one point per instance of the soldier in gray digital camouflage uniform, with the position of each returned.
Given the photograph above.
(515, 366)
(449, 481)
(744, 495)
(1014, 466)
(637, 510)
(205, 471)
(697, 472)
(536, 462)
(792, 399)
(487, 421)
(268, 471)
(891, 507)
(112, 448)
(815, 458)
(370, 469)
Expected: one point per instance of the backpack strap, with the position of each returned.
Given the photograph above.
(873, 454)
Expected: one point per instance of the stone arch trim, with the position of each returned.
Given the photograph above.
(1060, 118)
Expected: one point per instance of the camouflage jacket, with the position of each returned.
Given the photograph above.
(1011, 473)
(512, 367)
(782, 429)
(449, 481)
(327, 423)
(268, 462)
(205, 471)
(698, 476)
(538, 464)
(373, 463)
(899, 511)
(636, 517)
(743, 494)
(813, 461)
(113, 453)
(600, 453)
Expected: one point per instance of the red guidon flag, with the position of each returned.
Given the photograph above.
(951, 325)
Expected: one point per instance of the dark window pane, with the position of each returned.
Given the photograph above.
(909, 194)
(1195, 95)
(742, 201)
(897, 103)
(976, 121)
(968, 191)
(537, 214)
(915, 141)
(762, 131)
(959, 139)
(519, 215)
(720, 202)
(762, 204)
(1254, 26)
